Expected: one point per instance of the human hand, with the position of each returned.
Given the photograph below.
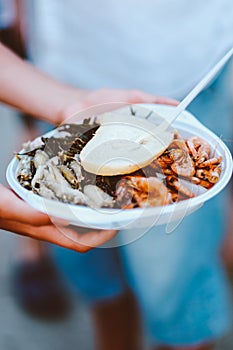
(18, 217)
(103, 100)
(54, 101)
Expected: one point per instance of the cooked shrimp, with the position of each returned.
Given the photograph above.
(145, 192)
(176, 184)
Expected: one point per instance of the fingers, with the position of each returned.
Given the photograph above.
(79, 238)
(72, 238)
(13, 208)
(137, 96)
(88, 109)
(166, 101)
(91, 239)
(61, 236)
(104, 100)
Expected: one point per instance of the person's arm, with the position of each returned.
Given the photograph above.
(24, 87)
(18, 217)
(28, 89)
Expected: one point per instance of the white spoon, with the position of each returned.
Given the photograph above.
(196, 90)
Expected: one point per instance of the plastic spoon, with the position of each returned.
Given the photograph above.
(116, 147)
(195, 91)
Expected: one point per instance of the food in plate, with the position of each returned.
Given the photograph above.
(58, 167)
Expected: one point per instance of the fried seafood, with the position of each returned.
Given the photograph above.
(53, 170)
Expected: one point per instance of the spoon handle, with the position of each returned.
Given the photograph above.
(200, 86)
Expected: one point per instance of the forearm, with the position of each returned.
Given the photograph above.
(24, 87)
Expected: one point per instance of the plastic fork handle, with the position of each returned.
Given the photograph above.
(200, 86)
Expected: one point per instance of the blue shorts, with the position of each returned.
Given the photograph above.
(178, 278)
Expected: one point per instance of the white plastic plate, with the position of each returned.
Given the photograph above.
(103, 218)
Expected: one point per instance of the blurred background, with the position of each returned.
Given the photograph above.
(18, 329)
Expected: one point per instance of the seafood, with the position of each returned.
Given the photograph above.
(178, 158)
(40, 158)
(211, 175)
(25, 171)
(66, 194)
(202, 149)
(145, 192)
(46, 192)
(98, 198)
(209, 162)
(176, 184)
(52, 169)
(182, 165)
(69, 176)
(191, 148)
(76, 167)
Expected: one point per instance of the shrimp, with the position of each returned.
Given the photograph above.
(202, 148)
(176, 184)
(144, 192)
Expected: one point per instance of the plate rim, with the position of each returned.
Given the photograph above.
(195, 201)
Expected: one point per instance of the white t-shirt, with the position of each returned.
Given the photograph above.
(160, 46)
(7, 13)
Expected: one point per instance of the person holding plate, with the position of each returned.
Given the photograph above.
(163, 47)
(52, 101)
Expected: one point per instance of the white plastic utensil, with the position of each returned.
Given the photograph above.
(107, 218)
(196, 90)
(112, 153)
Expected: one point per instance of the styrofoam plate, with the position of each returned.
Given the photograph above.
(103, 218)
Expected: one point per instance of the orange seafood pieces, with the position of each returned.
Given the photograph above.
(178, 159)
(145, 192)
